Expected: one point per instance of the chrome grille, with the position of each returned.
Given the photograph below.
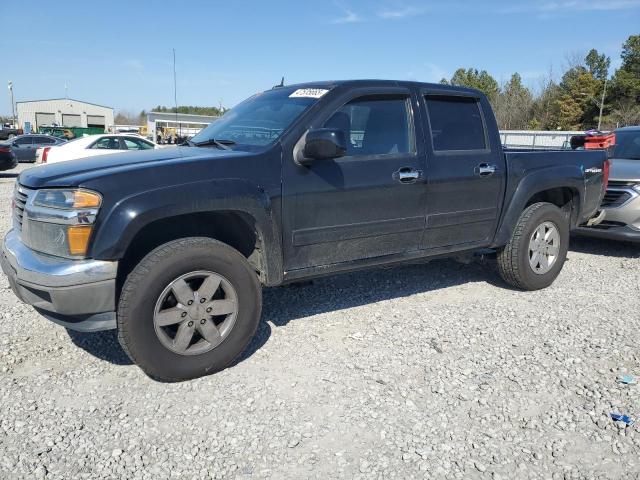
(20, 197)
(615, 197)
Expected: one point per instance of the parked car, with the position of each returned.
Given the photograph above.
(95, 145)
(25, 146)
(621, 204)
(7, 132)
(8, 159)
(172, 246)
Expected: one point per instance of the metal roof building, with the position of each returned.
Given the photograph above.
(63, 112)
(185, 124)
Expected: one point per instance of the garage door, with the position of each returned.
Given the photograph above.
(71, 120)
(43, 119)
(95, 121)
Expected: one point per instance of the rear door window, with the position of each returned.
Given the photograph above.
(23, 141)
(456, 123)
(107, 143)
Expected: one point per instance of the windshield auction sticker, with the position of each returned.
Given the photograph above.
(308, 93)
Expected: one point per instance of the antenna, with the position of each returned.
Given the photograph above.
(281, 84)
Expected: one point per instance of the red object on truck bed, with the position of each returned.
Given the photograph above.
(599, 141)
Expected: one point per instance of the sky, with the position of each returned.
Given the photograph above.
(119, 53)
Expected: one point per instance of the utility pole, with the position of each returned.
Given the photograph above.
(175, 90)
(604, 91)
(13, 105)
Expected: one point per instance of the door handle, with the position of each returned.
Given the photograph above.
(406, 175)
(485, 170)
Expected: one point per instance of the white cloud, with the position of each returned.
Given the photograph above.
(134, 65)
(348, 16)
(559, 6)
(582, 5)
(394, 14)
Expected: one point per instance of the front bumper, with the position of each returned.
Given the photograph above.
(622, 232)
(78, 294)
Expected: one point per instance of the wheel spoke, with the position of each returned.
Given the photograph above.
(544, 262)
(183, 337)
(170, 316)
(221, 307)
(209, 331)
(182, 291)
(553, 250)
(535, 258)
(550, 234)
(209, 287)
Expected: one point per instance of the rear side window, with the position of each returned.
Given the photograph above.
(375, 125)
(23, 141)
(456, 123)
(107, 143)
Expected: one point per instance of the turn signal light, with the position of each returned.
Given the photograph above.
(78, 237)
(85, 199)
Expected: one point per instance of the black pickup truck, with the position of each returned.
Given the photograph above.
(172, 247)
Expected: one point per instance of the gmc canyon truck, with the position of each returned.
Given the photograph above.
(172, 247)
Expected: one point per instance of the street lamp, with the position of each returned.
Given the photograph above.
(13, 107)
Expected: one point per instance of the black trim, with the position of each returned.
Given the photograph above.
(464, 217)
(313, 236)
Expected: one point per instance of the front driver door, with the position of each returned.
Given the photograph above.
(368, 203)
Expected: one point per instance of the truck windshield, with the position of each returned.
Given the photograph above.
(260, 120)
(627, 145)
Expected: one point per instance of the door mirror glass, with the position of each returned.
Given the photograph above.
(324, 143)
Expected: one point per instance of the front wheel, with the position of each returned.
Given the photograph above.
(189, 309)
(534, 256)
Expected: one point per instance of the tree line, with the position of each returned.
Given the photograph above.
(573, 102)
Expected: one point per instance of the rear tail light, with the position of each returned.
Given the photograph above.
(45, 154)
(4, 149)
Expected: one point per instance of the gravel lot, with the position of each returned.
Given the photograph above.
(422, 371)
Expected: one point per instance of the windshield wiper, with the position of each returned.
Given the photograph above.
(222, 144)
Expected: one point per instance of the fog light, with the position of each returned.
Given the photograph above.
(78, 237)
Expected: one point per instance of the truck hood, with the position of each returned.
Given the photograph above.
(625, 170)
(76, 172)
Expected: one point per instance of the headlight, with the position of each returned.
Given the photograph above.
(60, 221)
(67, 199)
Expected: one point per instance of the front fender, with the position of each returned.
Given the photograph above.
(532, 183)
(116, 228)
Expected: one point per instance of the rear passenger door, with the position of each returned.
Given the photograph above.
(23, 148)
(466, 171)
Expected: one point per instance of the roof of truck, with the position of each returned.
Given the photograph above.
(379, 82)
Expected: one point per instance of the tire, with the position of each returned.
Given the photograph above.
(143, 302)
(515, 259)
(10, 136)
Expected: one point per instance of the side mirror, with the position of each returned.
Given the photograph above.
(324, 143)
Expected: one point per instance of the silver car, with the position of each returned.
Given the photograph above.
(621, 203)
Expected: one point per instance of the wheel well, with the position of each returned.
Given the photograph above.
(236, 229)
(563, 197)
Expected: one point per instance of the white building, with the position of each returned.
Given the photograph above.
(185, 124)
(63, 112)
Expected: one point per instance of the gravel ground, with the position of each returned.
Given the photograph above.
(422, 371)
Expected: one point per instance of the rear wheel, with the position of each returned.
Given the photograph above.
(534, 256)
(188, 309)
